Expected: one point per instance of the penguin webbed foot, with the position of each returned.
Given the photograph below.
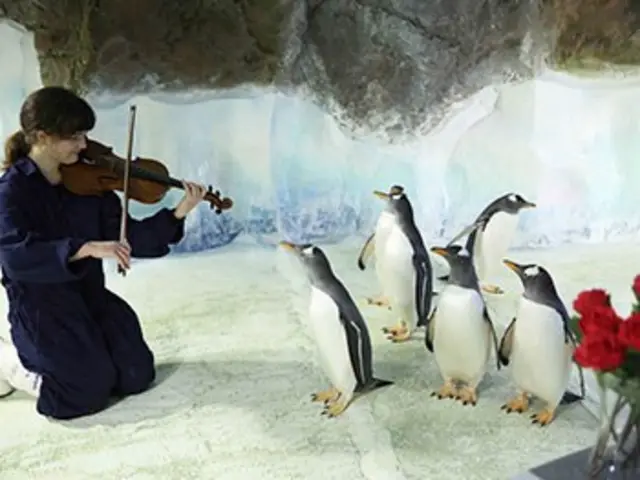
(448, 390)
(398, 333)
(325, 396)
(379, 301)
(543, 418)
(492, 289)
(467, 395)
(519, 404)
(334, 407)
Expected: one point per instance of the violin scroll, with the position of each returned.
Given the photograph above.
(215, 202)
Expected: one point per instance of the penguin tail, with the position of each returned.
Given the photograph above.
(377, 383)
(570, 397)
(444, 278)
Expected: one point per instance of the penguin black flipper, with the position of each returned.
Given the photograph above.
(360, 351)
(424, 288)
(485, 313)
(428, 336)
(570, 338)
(570, 397)
(366, 251)
(506, 343)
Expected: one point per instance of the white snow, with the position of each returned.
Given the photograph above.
(236, 365)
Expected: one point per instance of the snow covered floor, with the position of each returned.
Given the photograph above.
(236, 370)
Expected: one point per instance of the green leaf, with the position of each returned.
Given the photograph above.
(575, 328)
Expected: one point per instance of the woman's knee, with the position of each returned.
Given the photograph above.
(70, 392)
(135, 375)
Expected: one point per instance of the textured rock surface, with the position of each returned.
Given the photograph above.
(386, 64)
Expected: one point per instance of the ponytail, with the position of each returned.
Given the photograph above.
(15, 147)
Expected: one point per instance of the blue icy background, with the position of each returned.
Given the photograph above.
(571, 145)
(294, 173)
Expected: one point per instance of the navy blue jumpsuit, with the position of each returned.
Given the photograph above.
(84, 340)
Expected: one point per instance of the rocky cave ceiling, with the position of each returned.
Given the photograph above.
(390, 65)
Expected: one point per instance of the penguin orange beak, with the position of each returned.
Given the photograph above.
(512, 265)
(288, 246)
(440, 251)
(379, 194)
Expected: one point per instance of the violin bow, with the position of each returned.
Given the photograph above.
(125, 189)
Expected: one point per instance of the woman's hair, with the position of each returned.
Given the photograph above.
(55, 111)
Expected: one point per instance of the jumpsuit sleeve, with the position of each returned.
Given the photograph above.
(149, 237)
(26, 254)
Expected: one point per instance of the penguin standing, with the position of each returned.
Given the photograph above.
(340, 333)
(405, 268)
(375, 243)
(491, 234)
(460, 332)
(539, 345)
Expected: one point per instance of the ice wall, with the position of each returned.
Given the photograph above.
(569, 144)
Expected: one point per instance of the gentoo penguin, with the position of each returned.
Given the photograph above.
(340, 333)
(404, 267)
(539, 345)
(375, 243)
(491, 234)
(460, 332)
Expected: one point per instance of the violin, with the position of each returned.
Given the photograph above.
(146, 180)
(99, 170)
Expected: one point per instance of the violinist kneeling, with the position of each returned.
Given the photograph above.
(75, 343)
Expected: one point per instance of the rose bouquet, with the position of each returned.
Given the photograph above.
(609, 345)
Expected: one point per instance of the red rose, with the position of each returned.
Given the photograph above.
(588, 299)
(600, 319)
(629, 334)
(636, 287)
(603, 352)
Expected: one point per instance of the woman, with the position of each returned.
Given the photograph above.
(75, 343)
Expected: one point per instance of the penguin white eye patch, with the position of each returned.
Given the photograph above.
(512, 197)
(308, 251)
(532, 271)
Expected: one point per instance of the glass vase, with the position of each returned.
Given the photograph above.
(616, 453)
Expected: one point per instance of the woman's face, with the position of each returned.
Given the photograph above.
(63, 150)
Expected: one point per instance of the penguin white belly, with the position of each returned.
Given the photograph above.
(540, 359)
(397, 270)
(493, 243)
(462, 337)
(385, 222)
(331, 341)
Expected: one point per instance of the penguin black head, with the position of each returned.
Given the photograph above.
(536, 280)
(313, 259)
(463, 273)
(513, 203)
(397, 201)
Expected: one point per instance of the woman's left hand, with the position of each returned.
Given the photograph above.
(193, 195)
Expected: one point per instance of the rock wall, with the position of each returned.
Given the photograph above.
(391, 65)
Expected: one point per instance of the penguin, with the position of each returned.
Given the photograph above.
(375, 243)
(340, 333)
(539, 346)
(460, 332)
(490, 236)
(405, 267)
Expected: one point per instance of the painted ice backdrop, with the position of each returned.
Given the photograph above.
(569, 144)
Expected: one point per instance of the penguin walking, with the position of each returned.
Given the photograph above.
(460, 332)
(491, 234)
(340, 333)
(539, 346)
(404, 266)
(375, 243)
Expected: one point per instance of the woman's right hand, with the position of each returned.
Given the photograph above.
(120, 251)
